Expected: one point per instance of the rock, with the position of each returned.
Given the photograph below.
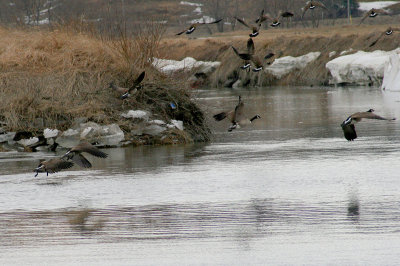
(391, 76)
(229, 83)
(237, 84)
(7, 137)
(137, 114)
(153, 130)
(50, 133)
(360, 68)
(157, 122)
(170, 66)
(177, 123)
(108, 135)
(27, 142)
(68, 138)
(284, 65)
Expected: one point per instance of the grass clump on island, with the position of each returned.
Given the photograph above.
(50, 78)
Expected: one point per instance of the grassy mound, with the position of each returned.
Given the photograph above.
(50, 78)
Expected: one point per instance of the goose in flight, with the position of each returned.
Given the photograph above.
(126, 92)
(389, 31)
(311, 5)
(236, 116)
(249, 57)
(373, 12)
(254, 28)
(348, 124)
(195, 25)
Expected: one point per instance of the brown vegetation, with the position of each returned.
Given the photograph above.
(50, 78)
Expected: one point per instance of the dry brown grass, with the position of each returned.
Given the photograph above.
(57, 76)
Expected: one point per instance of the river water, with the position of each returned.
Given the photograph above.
(287, 190)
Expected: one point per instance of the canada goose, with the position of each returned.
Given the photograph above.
(128, 91)
(389, 31)
(195, 25)
(348, 124)
(311, 5)
(274, 20)
(373, 12)
(236, 117)
(246, 56)
(52, 166)
(287, 14)
(75, 154)
(255, 28)
(249, 56)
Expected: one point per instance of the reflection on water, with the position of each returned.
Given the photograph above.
(288, 190)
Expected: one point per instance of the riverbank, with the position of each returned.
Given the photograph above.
(59, 80)
(330, 42)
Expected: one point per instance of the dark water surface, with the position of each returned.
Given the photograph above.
(288, 190)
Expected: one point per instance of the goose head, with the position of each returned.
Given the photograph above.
(347, 122)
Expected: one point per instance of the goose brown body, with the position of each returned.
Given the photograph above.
(53, 166)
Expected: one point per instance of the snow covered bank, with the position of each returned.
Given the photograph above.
(284, 65)
(391, 77)
(360, 68)
(170, 66)
(365, 6)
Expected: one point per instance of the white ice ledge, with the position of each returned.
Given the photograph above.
(284, 65)
(360, 68)
(170, 66)
(391, 77)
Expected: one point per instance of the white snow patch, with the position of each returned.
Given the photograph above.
(391, 76)
(346, 51)
(190, 3)
(284, 65)
(205, 19)
(197, 10)
(365, 6)
(333, 53)
(359, 68)
(188, 63)
(137, 114)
